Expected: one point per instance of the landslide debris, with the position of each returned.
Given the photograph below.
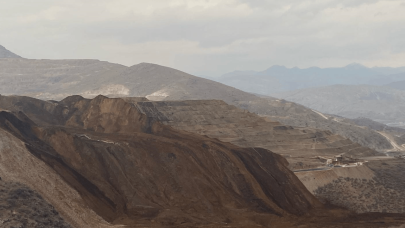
(20, 206)
(131, 169)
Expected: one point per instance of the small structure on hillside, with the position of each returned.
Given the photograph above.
(326, 160)
(337, 160)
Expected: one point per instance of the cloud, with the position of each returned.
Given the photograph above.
(209, 37)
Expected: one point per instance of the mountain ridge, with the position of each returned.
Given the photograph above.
(56, 79)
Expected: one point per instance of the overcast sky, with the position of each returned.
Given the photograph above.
(208, 37)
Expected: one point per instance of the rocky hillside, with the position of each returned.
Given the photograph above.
(22, 207)
(56, 79)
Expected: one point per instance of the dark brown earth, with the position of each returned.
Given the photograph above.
(132, 170)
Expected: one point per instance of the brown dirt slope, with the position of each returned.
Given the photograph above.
(141, 170)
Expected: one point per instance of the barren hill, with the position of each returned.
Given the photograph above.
(56, 79)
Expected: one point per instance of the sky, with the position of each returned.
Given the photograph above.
(208, 37)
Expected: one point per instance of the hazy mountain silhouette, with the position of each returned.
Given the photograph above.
(397, 85)
(381, 103)
(4, 53)
(280, 79)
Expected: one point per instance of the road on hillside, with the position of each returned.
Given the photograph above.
(316, 169)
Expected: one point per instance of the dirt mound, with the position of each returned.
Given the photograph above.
(22, 207)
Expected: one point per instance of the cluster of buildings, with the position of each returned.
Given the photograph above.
(338, 161)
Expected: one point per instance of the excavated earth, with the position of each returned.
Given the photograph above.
(103, 163)
(217, 119)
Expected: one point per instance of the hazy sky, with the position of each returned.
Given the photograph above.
(208, 37)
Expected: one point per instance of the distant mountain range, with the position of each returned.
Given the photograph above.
(380, 103)
(281, 79)
(352, 91)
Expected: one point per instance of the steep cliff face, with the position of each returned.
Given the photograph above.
(131, 169)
